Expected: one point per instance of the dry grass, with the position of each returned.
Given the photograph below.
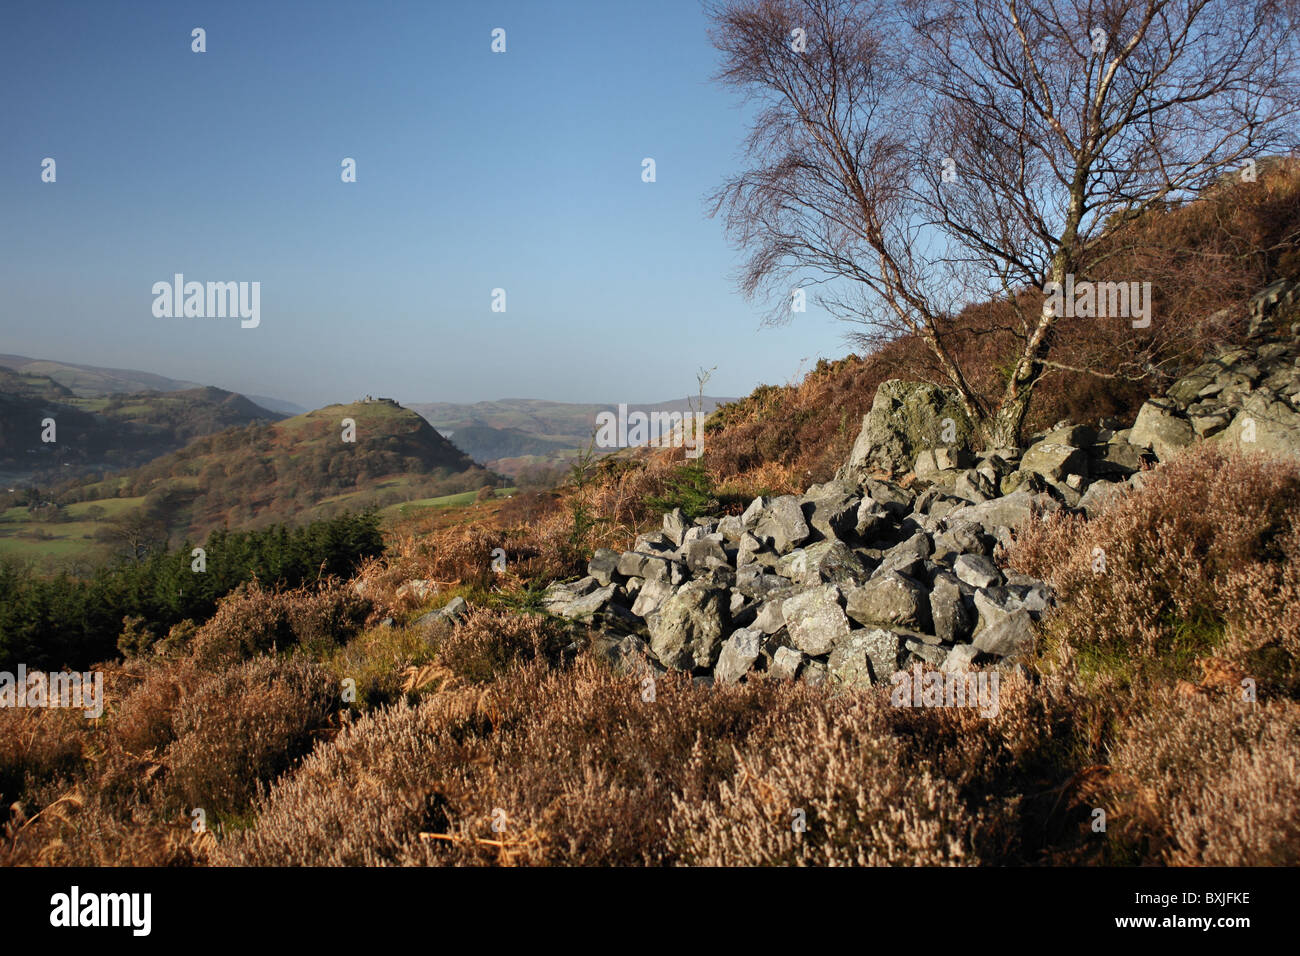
(577, 767)
(1209, 781)
(241, 728)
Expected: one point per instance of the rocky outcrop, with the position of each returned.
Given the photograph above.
(906, 419)
(1247, 397)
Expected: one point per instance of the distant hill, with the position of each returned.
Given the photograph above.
(279, 405)
(90, 381)
(105, 433)
(515, 433)
(93, 381)
(293, 469)
(484, 443)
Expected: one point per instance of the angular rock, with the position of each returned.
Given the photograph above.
(893, 498)
(1034, 597)
(603, 565)
(974, 487)
(906, 418)
(1008, 636)
(822, 561)
(653, 542)
(935, 460)
(948, 612)
(929, 653)
(831, 509)
(814, 673)
(785, 663)
(739, 652)
(1209, 423)
(1009, 511)
(815, 619)
(635, 564)
(676, 526)
(1098, 496)
(452, 612)
(961, 537)
(705, 553)
(1160, 428)
(578, 608)
(976, 570)
(1264, 425)
(695, 533)
(959, 658)
(865, 657)
(770, 617)
(651, 596)
(731, 529)
(872, 519)
(1115, 459)
(907, 557)
(926, 468)
(748, 547)
(756, 582)
(1054, 461)
(1064, 493)
(686, 631)
(749, 519)
(889, 598)
(627, 655)
(782, 524)
(1078, 436)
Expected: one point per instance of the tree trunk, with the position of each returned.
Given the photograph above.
(1004, 428)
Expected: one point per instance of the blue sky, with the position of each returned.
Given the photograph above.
(475, 171)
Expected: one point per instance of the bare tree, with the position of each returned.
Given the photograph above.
(134, 535)
(910, 158)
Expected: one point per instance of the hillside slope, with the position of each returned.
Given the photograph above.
(299, 467)
(104, 433)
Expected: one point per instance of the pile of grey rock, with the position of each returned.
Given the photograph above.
(846, 583)
(861, 576)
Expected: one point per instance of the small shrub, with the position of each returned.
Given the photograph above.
(255, 620)
(689, 488)
(38, 745)
(244, 727)
(488, 642)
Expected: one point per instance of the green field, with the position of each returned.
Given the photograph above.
(446, 501)
(27, 538)
(23, 536)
